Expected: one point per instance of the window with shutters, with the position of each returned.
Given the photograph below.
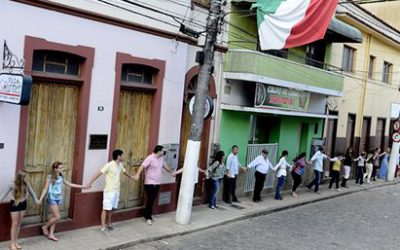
(348, 59)
(371, 67)
(387, 72)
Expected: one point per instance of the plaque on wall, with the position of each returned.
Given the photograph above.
(164, 198)
(98, 142)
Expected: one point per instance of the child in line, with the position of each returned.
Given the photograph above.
(360, 168)
(335, 174)
(53, 189)
(281, 174)
(19, 190)
(369, 167)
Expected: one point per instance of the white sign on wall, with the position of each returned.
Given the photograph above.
(395, 110)
(15, 88)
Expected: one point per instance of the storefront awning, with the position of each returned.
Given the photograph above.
(341, 32)
(274, 111)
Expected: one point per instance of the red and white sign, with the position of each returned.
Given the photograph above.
(10, 88)
(396, 137)
(396, 125)
(15, 88)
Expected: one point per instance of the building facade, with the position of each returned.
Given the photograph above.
(371, 95)
(105, 75)
(276, 99)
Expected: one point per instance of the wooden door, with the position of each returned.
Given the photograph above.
(365, 134)
(380, 133)
(133, 129)
(351, 125)
(51, 136)
(331, 137)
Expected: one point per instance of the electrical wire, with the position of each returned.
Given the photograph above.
(137, 13)
(367, 2)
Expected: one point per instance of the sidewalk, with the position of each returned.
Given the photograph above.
(135, 231)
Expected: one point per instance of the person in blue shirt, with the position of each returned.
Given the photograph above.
(317, 160)
(232, 167)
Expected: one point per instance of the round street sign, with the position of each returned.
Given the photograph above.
(396, 125)
(396, 137)
(209, 106)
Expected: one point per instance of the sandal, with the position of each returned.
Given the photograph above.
(19, 247)
(45, 231)
(52, 238)
(12, 248)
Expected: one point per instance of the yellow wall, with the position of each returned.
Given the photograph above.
(379, 95)
(387, 11)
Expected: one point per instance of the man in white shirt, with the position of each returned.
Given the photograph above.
(318, 161)
(262, 164)
(232, 167)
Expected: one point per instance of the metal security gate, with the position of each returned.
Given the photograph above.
(254, 150)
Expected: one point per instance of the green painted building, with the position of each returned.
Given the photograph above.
(277, 97)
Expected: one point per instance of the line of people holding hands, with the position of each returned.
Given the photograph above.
(367, 166)
(154, 164)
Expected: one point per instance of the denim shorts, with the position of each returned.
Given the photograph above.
(53, 202)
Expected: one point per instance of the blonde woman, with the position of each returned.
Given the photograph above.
(19, 192)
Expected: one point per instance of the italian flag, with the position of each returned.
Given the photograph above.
(292, 23)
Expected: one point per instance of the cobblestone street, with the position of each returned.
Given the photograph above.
(363, 220)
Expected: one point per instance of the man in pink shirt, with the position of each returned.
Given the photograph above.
(153, 166)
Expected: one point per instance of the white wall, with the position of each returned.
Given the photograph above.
(182, 10)
(107, 40)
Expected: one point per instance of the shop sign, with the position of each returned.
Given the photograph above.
(278, 97)
(15, 88)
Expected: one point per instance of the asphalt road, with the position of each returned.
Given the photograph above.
(363, 220)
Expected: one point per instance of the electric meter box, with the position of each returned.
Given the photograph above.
(171, 157)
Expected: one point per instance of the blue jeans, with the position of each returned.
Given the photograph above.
(315, 181)
(360, 175)
(279, 186)
(214, 191)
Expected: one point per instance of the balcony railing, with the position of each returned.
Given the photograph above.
(273, 67)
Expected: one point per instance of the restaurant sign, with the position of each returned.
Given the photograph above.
(283, 98)
(15, 88)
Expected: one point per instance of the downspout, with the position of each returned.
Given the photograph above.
(363, 88)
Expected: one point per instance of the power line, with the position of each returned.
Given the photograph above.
(367, 2)
(137, 13)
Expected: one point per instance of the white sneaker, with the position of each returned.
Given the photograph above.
(338, 189)
(149, 222)
(105, 231)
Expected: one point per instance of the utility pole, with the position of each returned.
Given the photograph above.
(185, 200)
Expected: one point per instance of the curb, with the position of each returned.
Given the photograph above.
(245, 217)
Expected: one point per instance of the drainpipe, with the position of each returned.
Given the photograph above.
(363, 88)
(325, 136)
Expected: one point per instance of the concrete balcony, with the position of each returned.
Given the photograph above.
(255, 66)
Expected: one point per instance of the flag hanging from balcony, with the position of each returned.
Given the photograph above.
(292, 23)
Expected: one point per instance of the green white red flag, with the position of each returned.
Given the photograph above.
(292, 23)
